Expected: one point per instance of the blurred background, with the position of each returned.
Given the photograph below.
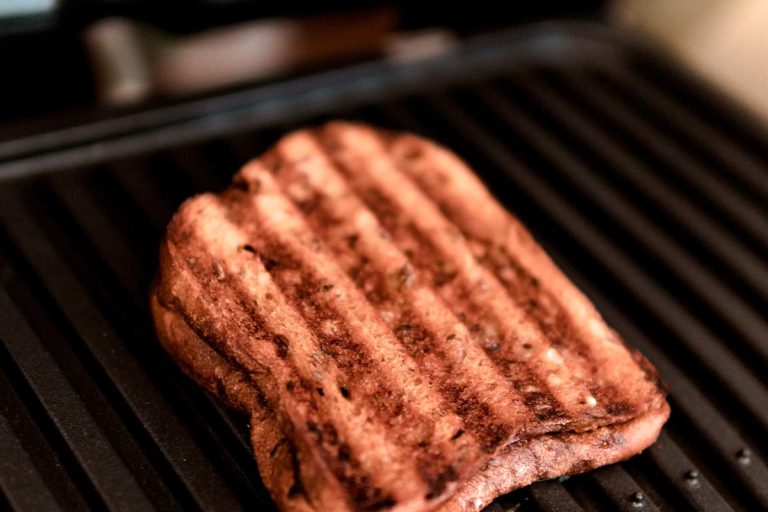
(76, 56)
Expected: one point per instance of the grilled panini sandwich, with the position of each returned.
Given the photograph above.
(398, 340)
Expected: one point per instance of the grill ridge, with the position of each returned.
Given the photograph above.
(34, 433)
(741, 210)
(150, 353)
(58, 424)
(691, 128)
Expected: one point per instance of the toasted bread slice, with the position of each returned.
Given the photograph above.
(398, 339)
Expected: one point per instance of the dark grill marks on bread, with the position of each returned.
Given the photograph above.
(399, 340)
(304, 291)
(298, 391)
(474, 293)
(296, 487)
(386, 189)
(552, 321)
(223, 323)
(458, 193)
(555, 325)
(337, 328)
(421, 253)
(383, 274)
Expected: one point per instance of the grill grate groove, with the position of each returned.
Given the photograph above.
(33, 478)
(688, 169)
(63, 418)
(550, 495)
(121, 369)
(151, 353)
(710, 236)
(223, 427)
(691, 129)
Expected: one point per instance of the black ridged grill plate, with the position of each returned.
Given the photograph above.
(649, 190)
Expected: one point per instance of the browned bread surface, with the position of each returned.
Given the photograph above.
(398, 339)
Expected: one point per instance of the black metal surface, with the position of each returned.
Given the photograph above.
(644, 187)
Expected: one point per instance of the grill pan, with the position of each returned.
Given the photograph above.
(647, 187)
